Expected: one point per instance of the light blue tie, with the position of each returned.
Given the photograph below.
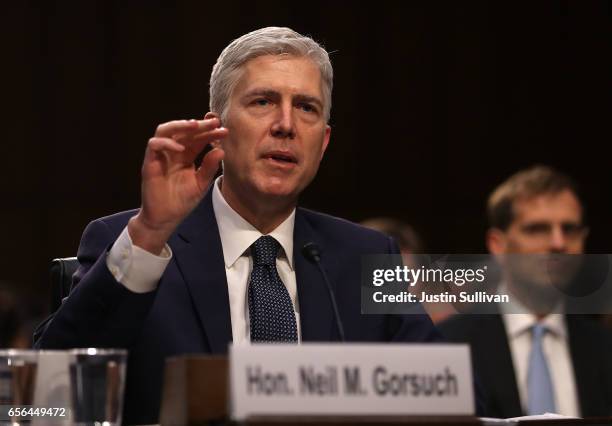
(541, 394)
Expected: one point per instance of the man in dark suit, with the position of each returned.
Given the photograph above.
(529, 357)
(203, 263)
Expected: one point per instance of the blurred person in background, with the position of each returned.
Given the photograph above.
(531, 357)
(406, 237)
(411, 246)
(16, 323)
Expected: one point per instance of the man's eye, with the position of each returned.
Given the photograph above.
(536, 229)
(572, 229)
(261, 102)
(307, 107)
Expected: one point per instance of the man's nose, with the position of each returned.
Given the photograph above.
(558, 240)
(283, 125)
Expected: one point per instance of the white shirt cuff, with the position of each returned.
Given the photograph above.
(134, 267)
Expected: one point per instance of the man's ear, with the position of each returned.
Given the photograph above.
(496, 241)
(208, 116)
(325, 140)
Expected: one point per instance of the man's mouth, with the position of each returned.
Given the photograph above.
(281, 157)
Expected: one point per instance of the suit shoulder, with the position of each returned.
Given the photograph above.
(122, 216)
(461, 327)
(338, 228)
(589, 329)
(114, 222)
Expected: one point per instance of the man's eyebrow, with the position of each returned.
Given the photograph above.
(262, 92)
(537, 223)
(269, 93)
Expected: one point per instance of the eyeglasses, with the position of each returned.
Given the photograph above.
(544, 230)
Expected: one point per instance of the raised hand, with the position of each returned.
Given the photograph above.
(171, 186)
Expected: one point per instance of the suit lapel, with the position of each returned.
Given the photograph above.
(499, 373)
(316, 315)
(199, 255)
(586, 368)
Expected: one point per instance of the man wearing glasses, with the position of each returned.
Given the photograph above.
(532, 357)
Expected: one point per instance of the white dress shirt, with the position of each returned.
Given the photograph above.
(556, 350)
(140, 271)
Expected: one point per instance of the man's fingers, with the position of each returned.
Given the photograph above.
(195, 144)
(183, 127)
(212, 135)
(208, 168)
(165, 144)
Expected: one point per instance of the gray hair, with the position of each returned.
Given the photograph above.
(265, 41)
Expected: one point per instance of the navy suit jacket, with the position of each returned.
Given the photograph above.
(590, 350)
(189, 311)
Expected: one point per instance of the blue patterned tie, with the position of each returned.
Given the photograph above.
(270, 308)
(541, 394)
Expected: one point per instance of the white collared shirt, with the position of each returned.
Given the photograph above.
(556, 350)
(237, 235)
(140, 270)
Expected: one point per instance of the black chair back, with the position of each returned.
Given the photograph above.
(61, 271)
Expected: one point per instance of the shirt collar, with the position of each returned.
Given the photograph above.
(518, 323)
(237, 234)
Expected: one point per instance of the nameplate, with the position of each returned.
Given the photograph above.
(350, 379)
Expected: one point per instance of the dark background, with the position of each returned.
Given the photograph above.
(435, 103)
